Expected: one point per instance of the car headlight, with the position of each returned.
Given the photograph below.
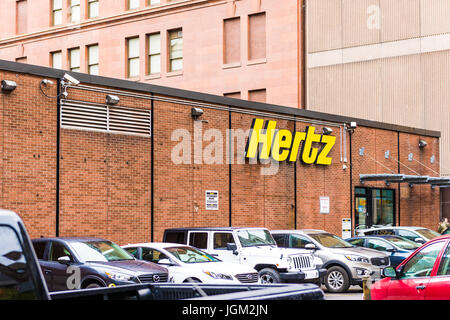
(119, 276)
(357, 258)
(215, 275)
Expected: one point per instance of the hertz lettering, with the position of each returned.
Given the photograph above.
(283, 145)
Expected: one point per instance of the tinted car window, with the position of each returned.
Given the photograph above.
(133, 251)
(15, 281)
(444, 267)
(175, 237)
(385, 232)
(198, 240)
(152, 255)
(280, 240)
(379, 245)
(58, 250)
(39, 248)
(221, 239)
(297, 241)
(357, 242)
(407, 234)
(422, 263)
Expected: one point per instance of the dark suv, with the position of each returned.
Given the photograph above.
(79, 263)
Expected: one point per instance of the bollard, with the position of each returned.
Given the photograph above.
(366, 288)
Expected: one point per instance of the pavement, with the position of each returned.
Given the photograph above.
(353, 293)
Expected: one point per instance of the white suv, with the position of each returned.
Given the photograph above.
(254, 247)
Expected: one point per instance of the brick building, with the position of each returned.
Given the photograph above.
(73, 164)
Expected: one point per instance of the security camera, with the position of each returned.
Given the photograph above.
(422, 143)
(111, 99)
(67, 77)
(327, 131)
(196, 113)
(8, 85)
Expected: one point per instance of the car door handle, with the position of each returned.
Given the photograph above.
(421, 287)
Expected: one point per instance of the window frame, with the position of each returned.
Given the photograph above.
(191, 233)
(129, 59)
(88, 8)
(88, 58)
(71, 6)
(72, 68)
(128, 5)
(150, 54)
(54, 11)
(170, 52)
(52, 60)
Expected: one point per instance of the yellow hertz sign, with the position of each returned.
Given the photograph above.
(283, 145)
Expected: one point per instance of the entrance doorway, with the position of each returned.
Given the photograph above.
(374, 207)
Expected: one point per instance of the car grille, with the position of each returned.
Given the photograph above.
(157, 277)
(380, 261)
(247, 277)
(302, 262)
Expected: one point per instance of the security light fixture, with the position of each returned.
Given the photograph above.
(196, 113)
(327, 131)
(111, 99)
(70, 80)
(8, 86)
(422, 144)
(353, 125)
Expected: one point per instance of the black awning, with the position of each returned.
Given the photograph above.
(402, 178)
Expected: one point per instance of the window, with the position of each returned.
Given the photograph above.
(39, 249)
(75, 10)
(154, 2)
(257, 36)
(92, 52)
(154, 53)
(379, 245)
(58, 250)
(280, 239)
(175, 237)
(152, 255)
(444, 269)
(133, 57)
(132, 4)
(221, 239)
(21, 16)
(74, 59)
(257, 95)
(175, 50)
(56, 12)
(407, 234)
(297, 241)
(133, 251)
(232, 40)
(357, 242)
(92, 9)
(235, 95)
(15, 281)
(56, 58)
(198, 240)
(421, 264)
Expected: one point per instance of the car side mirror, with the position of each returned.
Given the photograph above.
(232, 247)
(310, 246)
(389, 272)
(166, 262)
(64, 260)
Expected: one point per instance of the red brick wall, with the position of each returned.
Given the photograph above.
(105, 179)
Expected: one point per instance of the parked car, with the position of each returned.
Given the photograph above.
(424, 275)
(254, 247)
(416, 234)
(397, 248)
(78, 263)
(345, 264)
(188, 264)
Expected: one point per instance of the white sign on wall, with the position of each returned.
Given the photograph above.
(346, 228)
(324, 204)
(212, 200)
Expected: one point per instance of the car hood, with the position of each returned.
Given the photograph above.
(370, 253)
(129, 266)
(221, 267)
(273, 251)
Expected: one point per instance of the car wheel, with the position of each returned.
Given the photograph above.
(93, 285)
(337, 280)
(269, 275)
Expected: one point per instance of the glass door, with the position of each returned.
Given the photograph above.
(361, 210)
(374, 208)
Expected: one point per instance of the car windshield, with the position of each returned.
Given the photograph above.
(254, 238)
(100, 251)
(330, 240)
(403, 243)
(190, 255)
(427, 233)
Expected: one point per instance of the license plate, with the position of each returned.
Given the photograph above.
(311, 274)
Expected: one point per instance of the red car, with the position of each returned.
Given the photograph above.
(424, 275)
